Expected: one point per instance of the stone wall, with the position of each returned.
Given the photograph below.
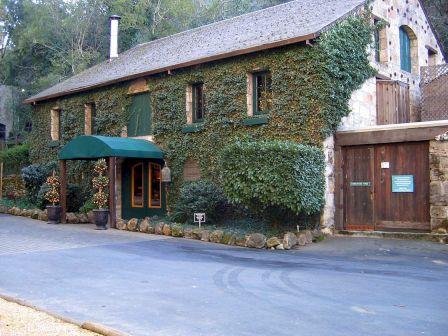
(395, 13)
(438, 199)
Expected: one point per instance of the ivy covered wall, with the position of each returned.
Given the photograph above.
(311, 90)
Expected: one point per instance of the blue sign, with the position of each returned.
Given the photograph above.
(403, 183)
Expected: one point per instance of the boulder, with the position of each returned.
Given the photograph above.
(205, 236)
(82, 217)
(256, 240)
(3, 209)
(232, 239)
(301, 239)
(71, 218)
(197, 234)
(328, 231)
(308, 236)
(166, 230)
(158, 228)
(121, 224)
(177, 231)
(22, 212)
(216, 236)
(35, 214)
(43, 216)
(273, 242)
(91, 218)
(280, 247)
(241, 241)
(132, 224)
(188, 233)
(289, 240)
(441, 230)
(144, 225)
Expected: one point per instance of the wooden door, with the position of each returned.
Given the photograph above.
(358, 188)
(402, 187)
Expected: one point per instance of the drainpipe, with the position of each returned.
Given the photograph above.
(114, 20)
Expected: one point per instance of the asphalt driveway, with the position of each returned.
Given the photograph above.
(153, 285)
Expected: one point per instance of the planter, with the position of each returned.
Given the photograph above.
(101, 216)
(54, 214)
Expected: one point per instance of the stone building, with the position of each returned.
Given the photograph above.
(192, 92)
(7, 96)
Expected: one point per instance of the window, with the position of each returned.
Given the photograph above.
(408, 50)
(137, 186)
(28, 126)
(380, 41)
(55, 124)
(2, 132)
(262, 92)
(140, 121)
(89, 118)
(155, 186)
(198, 102)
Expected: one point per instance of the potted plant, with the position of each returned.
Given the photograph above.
(100, 183)
(52, 196)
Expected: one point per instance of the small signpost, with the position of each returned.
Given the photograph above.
(199, 217)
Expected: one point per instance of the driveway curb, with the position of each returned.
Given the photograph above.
(88, 325)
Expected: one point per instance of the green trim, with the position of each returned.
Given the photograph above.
(140, 121)
(405, 51)
(86, 147)
(259, 119)
(54, 144)
(193, 128)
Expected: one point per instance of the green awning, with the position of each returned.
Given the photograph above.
(87, 147)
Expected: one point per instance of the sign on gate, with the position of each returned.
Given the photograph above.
(402, 183)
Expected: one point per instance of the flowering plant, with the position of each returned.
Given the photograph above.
(100, 183)
(52, 195)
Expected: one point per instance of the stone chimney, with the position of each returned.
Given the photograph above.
(114, 20)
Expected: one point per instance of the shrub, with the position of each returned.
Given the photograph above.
(15, 158)
(34, 176)
(87, 206)
(274, 173)
(75, 198)
(198, 196)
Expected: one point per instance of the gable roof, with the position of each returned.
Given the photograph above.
(275, 26)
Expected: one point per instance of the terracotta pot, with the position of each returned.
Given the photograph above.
(101, 216)
(54, 214)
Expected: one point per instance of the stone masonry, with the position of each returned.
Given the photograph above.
(438, 199)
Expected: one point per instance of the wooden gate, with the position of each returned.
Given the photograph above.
(386, 187)
(392, 102)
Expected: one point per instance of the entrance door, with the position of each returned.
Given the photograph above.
(402, 189)
(142, 192)
(358, 188)
(386, 187)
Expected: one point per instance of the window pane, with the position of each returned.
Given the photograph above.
(263, 92)
(155, 186)
(137, 185)
(405, 51)
(198, 102)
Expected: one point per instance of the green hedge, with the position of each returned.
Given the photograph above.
(274, 173)
(15, 158)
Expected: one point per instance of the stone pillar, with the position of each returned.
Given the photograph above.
(328, 212)
(438, 194)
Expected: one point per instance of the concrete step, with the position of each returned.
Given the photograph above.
(434, 237)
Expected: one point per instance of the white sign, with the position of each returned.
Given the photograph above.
(385, 165)
(199, 217)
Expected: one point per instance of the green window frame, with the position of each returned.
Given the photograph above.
(198, 102)
(262, 92)
(140, 121)
(405, 51)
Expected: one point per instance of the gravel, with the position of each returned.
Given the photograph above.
(17, 320)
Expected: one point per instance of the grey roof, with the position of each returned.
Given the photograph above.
(271, 27)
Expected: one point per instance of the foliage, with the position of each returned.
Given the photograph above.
(21, 203)
(15, 158)
(13, 186)
(52, 195)
(75, 197)
(34, 176)
(87, 206)
(100, 184)
(274, 173)
(438, 15)
(198, 196)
